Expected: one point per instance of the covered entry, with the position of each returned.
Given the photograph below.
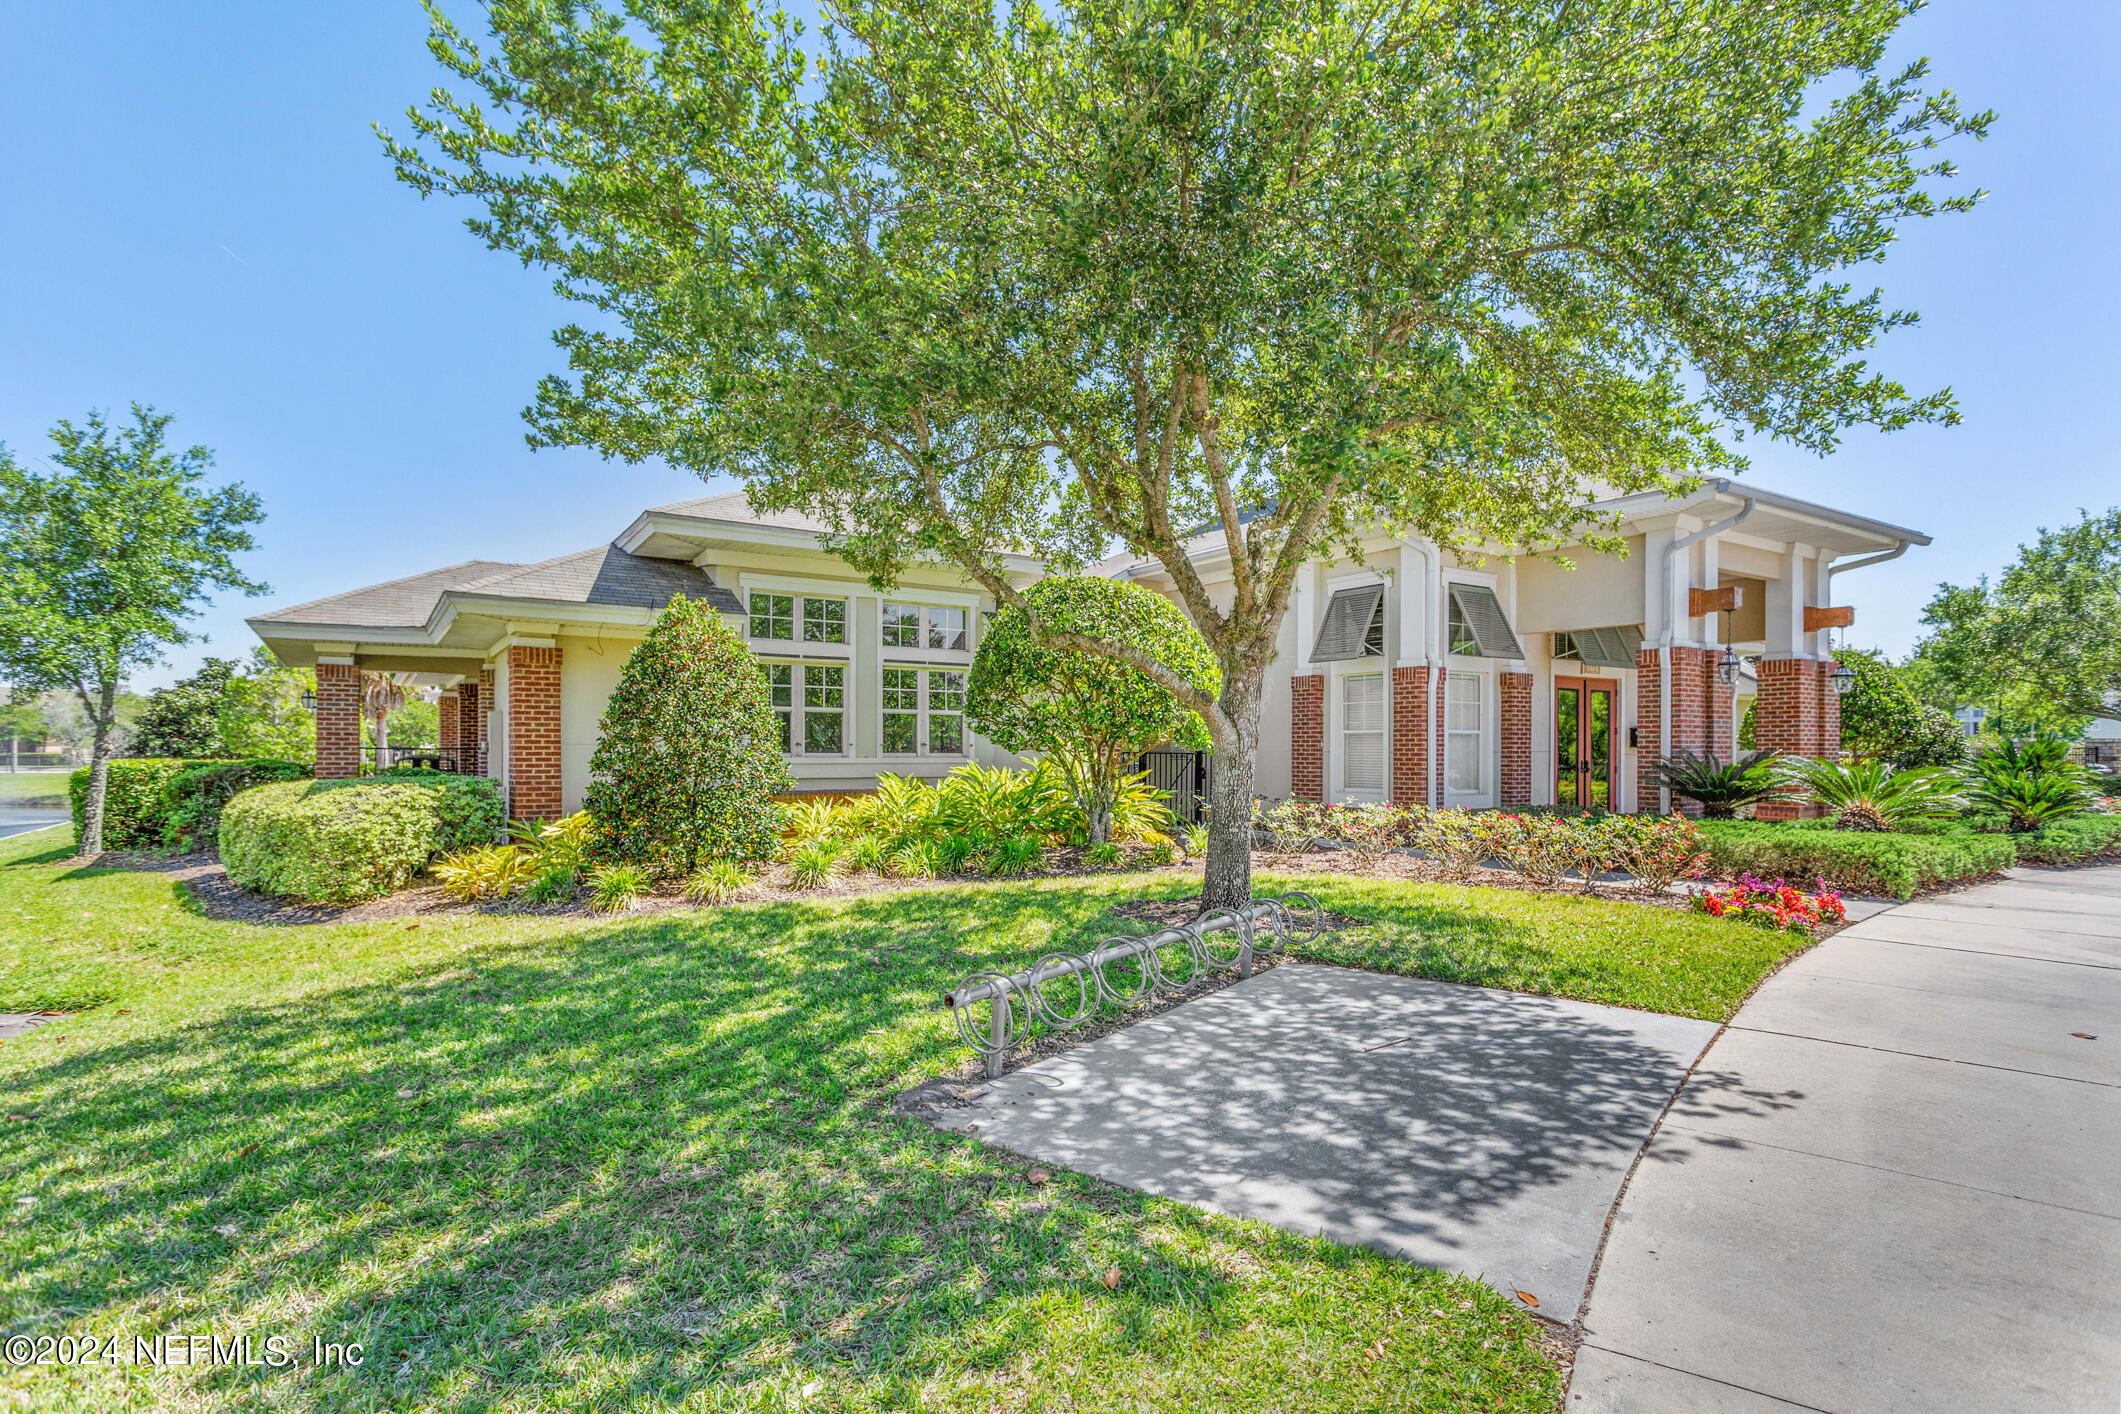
(1586, 767)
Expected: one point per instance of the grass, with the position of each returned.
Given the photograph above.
(32, 787)
(649, 1163)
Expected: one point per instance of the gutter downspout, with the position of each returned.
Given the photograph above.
(1664, 640)
(1893, 554)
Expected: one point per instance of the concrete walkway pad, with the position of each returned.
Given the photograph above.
(1482, 1131)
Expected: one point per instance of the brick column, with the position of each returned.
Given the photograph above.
(1307, 736)
(447, 737)
(1514, 701)
(1797, 713)
(534, 733)
(338, 721)
(479, 721)
(1701, 716)
(1412, 751)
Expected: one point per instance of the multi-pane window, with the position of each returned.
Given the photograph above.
(923, 705)
(1362, 733)
(824, 710)
(774, 616)
(824, 620)
(780, 682)
(925, 626)
(811, 701)
(902, 625)
(946, 711)
(902, 710)
(1458, 634)
(1464, 746)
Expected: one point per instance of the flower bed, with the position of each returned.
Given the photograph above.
(1776, 906)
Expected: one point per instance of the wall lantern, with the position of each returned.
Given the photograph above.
(1844, 677)
(309, 699)
(1727, 667)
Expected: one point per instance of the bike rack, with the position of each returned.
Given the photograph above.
(1219, 940)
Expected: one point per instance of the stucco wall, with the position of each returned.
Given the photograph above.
(589, 670)
(1602, 590)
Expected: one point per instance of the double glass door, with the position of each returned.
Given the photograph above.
(1584, 774)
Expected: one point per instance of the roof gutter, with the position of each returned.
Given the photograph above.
(1893, 554)
(1664, 640)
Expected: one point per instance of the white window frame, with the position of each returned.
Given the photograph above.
(800, 602)
(925, 713)
(1485, 736)
(927, 625)
(798, 710)
(1341, 789)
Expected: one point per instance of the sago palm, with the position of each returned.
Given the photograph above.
(1870, 795)
(1721, 788)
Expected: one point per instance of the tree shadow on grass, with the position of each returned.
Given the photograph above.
(640, 1161)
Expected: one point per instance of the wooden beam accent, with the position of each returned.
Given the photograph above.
(1713, 601)
(1840, 616)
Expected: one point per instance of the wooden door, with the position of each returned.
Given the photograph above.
(1586, 765)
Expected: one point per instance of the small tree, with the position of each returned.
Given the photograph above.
(101, 563)
(1089, 714)
(688, 758)
(184, 719)
(262, 714)
(1883, 719)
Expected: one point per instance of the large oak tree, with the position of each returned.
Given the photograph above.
(1257, 277)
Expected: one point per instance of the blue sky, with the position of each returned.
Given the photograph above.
(194, 213)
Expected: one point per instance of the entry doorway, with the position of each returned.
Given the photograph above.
(1586, 767)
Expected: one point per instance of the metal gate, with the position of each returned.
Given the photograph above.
(1184, 776)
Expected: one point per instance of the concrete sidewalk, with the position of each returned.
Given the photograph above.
(1894, 1183)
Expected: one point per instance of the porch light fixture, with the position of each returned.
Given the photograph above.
(1727, 667)
(309, 699)
(1844, 677)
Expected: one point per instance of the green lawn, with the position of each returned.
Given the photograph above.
(32, 787)
(649, 1163)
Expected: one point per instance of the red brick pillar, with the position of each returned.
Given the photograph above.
(1307, 736)
(534, 733)
(481, 719)
(1701, 717)
(1514, 701)
(1412, 751)
(338, 721)
(447, 736)
(1797, 714)
(1649, 714)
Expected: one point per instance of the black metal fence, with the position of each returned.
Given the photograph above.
(410, 756)
(1185, 776)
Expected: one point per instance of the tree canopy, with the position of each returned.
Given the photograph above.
(1088, 713)
(967, 281)
(184, 719)
(105, 559)
(1882, 717)
(2042, 645)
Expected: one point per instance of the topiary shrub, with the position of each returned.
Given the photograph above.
(1088, 714)
(135, 801)
(688, 757)
(329, 841)
(195, 796)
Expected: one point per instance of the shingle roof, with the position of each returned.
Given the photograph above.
(734, 505)
(397, 603)
(605, 575)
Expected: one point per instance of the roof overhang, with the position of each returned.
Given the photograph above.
(1776, 517)
(665, 535)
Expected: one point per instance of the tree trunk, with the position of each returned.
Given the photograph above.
(382, 740)
(91, 842)
(1229, 874)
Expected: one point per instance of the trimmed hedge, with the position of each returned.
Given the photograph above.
(135, 798)
(194, 798)
(344, 841)
(1895, 864)
(2072, 840)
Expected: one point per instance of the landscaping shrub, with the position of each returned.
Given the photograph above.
(617, 887)
(1722, 788)
(813, 864)
(1883, 719)
(329, 841)
(1369, 832)
(1458, 840)
(2031, 784)
(717, 881)
(688, 758)
(1872, 796)
(194, 797)
(343, 841)
(2071, 841)
(1894, 864)
(1293, 826)
(490, 871)
(135, 800)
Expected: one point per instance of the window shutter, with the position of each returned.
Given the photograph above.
(1608, 647)
(1346, 631)
(1484, 617)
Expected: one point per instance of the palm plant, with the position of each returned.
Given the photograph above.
(2030, 783)
(1872, 796)
(381, 695)
(1721, 788)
